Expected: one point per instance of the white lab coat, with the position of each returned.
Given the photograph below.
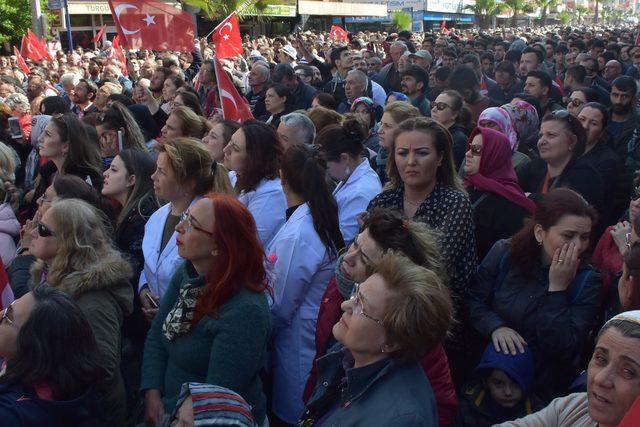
(353, 197)
(159, 266)
(267, 204)
(300, 267)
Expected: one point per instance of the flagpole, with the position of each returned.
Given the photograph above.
(242, 7)
(67, 19)
(215, 71)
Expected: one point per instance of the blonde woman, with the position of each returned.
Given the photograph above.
(183, 122)
(75, 254)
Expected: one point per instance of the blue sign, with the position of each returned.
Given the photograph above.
(418, 17)
(54, 4)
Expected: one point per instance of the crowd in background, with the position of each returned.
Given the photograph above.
(415, 229)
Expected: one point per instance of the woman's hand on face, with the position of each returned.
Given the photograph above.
(621, 235)
(26, 230)
(153, 408)
(563, 268)
(507, 341)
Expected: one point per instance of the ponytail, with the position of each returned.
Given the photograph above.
(346, 138)
(304, 172)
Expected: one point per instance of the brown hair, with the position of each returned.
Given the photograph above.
(192, 125)
(323, 117)
(193, 164)
(263, 155)
(550, 209)
(419, 311)
(401, 111)
(446, 174)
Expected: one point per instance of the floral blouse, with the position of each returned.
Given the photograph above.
(448, 211)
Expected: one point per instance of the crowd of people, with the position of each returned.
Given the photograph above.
(415, 229)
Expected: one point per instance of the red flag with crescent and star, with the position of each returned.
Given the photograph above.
(226, 38)
(32, 48)
(148, 24)
(234, 105)
(21, 63)
(338, 33)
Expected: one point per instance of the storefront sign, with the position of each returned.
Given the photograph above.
(449, 6)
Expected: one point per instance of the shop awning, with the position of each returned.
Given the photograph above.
(329, 8)
(98, 7)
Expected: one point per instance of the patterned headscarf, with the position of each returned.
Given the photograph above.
(215, 406)
(501, 118)
(525, 121)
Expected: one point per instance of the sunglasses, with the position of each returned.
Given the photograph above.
(5, 315)
(44, 231)
(476, 150)
(440, 106)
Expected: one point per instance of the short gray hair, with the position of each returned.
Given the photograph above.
(305, 129)
(400, 44)
(361, 76)
(19, 102)
(69, 79)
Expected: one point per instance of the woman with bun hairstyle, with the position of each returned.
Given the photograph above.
(302, 258)
(358, 183)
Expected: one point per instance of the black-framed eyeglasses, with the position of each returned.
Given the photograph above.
(358, 309)
(188, 220)
(44, 231)
(440, 105)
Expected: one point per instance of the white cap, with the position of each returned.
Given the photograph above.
(290, 50)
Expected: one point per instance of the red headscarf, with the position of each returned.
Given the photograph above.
(496, 174)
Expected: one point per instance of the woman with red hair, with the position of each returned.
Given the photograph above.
(213, 322)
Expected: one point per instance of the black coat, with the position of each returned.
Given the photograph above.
(553, 325)
(495, 218)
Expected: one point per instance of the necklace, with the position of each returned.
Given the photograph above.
(410, 202)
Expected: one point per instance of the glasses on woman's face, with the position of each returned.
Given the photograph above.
(440, 106)
(5, 315)
(187, 219)
(358, 309)
(44, 231)
(476, 150)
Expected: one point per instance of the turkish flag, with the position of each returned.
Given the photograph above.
(117, 53)
(30, 50)
(339, 33)
(39, 45)
(99, 35)
(147, 24)
(23, 65)
(226, 38)
(234, 105)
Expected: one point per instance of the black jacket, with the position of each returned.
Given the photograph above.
(555, 326)
(580, 176)
(460, 142)
(302, 96)
(495, 218)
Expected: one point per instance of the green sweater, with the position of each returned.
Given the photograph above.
(227, 350)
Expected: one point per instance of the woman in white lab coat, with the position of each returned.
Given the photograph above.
(302, 259)
(185, 171)
(358, 182)
(252, 156)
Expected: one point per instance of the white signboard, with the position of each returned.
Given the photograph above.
(449, 6)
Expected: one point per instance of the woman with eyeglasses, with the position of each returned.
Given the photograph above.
(117, 130)
(358, 183)
(252, 155)
(55, 387)
(184, 174)
(384, 231)
(538, 290)
(384, 384)
(499, 204)
(424, 187)
(578, 98)
(214, 321)
(449, 110)
(76, 255)
(302, 257)
(561, 145)
(393, 115)
(70, 152)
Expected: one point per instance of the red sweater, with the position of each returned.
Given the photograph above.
(435, 363)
